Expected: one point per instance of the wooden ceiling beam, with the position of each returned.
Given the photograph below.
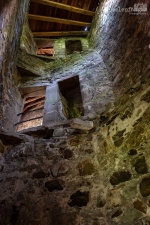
(60, 34)
(58, 20)
(64, 6)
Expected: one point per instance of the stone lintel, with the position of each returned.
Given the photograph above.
(80, 124)
(40, 131)
(10, 138)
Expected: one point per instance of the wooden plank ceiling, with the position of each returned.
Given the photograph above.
(58, 18)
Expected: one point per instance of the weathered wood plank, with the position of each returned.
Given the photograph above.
(58, 20)
(60, 34)
(64, 6)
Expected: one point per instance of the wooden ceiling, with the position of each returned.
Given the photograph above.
(58, 18)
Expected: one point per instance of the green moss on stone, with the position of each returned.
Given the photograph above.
(74, 111)
(85, 168)
(118, 138)
(146, 97)
(71, 109)
(137, 136)
(130, 191)
(124, 99)
(130, 215)
(146, 116)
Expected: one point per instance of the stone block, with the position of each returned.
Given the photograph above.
(60, 169)
(51, 95)
(53, 185)
(49, 108)
(50, 117)
(86, 168)
(58, 132)
(86, 95)
(9, 137)
(79, 199)
(80, 124)
(2, 148)
(39, 131)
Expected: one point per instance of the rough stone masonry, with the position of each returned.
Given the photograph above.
(60, 174)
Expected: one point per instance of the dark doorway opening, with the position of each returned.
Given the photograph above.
(70, 94)
(73, 46)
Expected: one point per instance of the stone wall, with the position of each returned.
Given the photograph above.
(35, 70)
(27, 42)
(122, 39)
(60, 48)
(28, 45)
(60, 175)
(96, 88)
(11, 19)
(69, 176)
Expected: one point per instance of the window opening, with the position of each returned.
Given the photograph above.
(73, 46)
(70, 94)
(45, 47)
(32, 112)
(45, 51)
